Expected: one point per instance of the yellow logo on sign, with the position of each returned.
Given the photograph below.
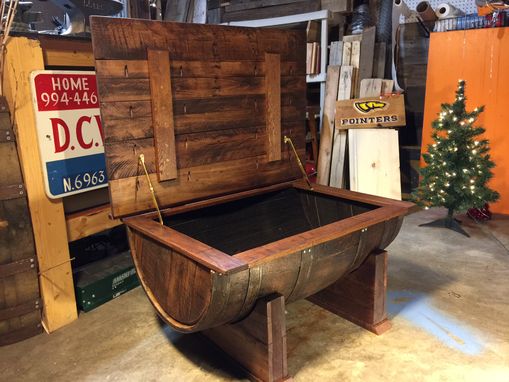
(368, 106)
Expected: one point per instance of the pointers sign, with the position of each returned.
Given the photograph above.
(69, 131)
(371, 112)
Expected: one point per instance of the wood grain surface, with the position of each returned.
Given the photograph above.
(162, 114)
(234, 93)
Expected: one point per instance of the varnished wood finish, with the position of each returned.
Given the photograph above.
(326, 237)
(360, 296)
(162, 114)
(258, 342)
(238, 226)
(273, 106)
(231, 103)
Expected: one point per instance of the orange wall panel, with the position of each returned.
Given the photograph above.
(481, 58)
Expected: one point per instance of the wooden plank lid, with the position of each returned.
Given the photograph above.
(206, 105)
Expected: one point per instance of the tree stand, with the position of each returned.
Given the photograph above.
(447, 222)
(258, 342)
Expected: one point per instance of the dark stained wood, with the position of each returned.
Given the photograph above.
(299, 259)
(195, 183)
(274, 11)
(218, 200)
(199, 252)
(360, 296)
(238, 227)
(273, 106)
(128, 39)
(187, 294)
(357, 196)
(195, 149)
(132, 120)
(194, 69)
(220, 89)
(138, 89)
(248, 223)
(162, 114)
(258, 342)
(20, 315)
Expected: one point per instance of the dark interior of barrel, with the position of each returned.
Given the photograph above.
(251, 222)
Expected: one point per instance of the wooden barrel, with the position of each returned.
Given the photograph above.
(20, 307)
(191, 297)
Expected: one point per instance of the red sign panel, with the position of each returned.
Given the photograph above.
(66, 91)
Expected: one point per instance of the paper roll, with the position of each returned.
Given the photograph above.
(402, 8)
(425, 11)
(446, 11)
(399, 8)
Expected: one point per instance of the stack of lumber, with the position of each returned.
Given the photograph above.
(221, 11)
(190, 11)
(313, 58)
(365, 159)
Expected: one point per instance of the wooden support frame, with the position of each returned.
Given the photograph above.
(57, 291)
(360, 296)
(85, 223)
(258, 342)
(52, 229)
(162, 113)
(273, 106)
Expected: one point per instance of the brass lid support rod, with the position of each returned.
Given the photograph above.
(288, 140)
(141, 158)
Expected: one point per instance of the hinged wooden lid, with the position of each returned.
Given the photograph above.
(207, 105)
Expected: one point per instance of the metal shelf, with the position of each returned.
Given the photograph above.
(323, 16)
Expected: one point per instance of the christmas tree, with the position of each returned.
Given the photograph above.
(458, 164)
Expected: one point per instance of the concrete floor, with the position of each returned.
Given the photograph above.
(448, 301)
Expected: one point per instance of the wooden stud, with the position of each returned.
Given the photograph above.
(371, 87)
(346, 58)
(324, 156)
(85, 223)
(345, 86)
(258, 342)
(273, 106)
(367, 50)
(345, 89)
(162, 114)
(57, 290)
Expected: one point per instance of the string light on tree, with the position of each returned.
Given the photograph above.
(458, 166)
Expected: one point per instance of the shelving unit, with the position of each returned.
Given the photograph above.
(52, 229)
(323, 16)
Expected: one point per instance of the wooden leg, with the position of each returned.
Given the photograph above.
(257, 343)
(360, 296)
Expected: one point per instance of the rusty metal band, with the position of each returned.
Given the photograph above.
(12, 191)
(6, 135)
(20, 309)
(18, 266)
